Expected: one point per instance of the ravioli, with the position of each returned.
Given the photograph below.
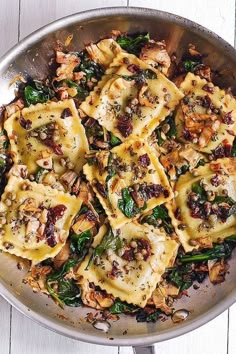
(130, 174)
(47, 132)
(135, 279)
(35, 219)
(201, 221)
(104, 51)
(144, 101)
(207, 115)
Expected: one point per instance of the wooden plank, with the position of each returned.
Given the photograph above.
(216, 15)
(9, 34)
(209, 339)
(232, 330)
(37, 13)
(30, 338)
(5, 311)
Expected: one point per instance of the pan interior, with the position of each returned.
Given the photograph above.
(31, 57)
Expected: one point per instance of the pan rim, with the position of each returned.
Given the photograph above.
(5, 61)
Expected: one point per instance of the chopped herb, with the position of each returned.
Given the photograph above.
(133, 44)
(122, 307)
(89, 67)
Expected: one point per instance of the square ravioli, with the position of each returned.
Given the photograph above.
(204, 209)
(128, 181)
(131, 272)
(35, 219)
(206, 117)
(43, 134)
(132, 97)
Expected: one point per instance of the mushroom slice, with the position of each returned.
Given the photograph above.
(155, 53)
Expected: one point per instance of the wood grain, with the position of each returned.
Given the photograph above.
(208, 339)
(232, 330)
(26, 337)
(9, 35)
(37, 13)
(217, 15)
(5, 319)
(30, 338)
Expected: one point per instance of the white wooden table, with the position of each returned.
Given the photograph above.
(19, 335)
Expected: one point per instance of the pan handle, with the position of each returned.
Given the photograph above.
(144, 350)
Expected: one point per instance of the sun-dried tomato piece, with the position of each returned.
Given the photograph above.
(25, 123)
(144, 160)
(125, 125)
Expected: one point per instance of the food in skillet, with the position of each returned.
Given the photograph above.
(118, 177)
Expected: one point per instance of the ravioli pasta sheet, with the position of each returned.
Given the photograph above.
(219, 177)
(139, 166)
(25, 233)
(206, 109)
(27, 130)
(136, 279)
(110, 98)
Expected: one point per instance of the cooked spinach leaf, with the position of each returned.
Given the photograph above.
(79, 242)
(233, 151)
(190, 65)
(109, 241)
(114, 141)
(89, 67)
(122, 307)
(82, 92)
(39, 174)
(160, 218)
(64, 291)
(170, 133)
(182, 276)
(36, 92)
(127, 204)
(145, 315)
(218, 251)
(133, 44)
(141, 76)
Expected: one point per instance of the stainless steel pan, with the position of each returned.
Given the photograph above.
(31, 56)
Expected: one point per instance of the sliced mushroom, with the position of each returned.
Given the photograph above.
(155, 53)
(217, 271)
(82, 224)
(68, 63)
(62, 256)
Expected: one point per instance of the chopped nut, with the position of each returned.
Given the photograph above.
(139, 256)
(210, 195)
(193, 242)
(133, 244)
(3, 220)
(42, 135)
(8, 202)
